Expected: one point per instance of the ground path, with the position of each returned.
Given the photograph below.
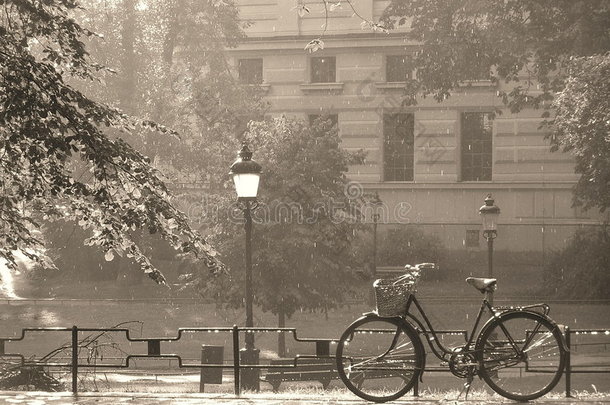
(45, 398)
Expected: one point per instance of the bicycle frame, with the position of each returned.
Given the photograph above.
(440, 351)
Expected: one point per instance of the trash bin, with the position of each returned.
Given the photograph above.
(211, 375)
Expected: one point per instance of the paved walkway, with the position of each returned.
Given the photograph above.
(45, 398)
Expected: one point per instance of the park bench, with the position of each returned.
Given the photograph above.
(306, 369)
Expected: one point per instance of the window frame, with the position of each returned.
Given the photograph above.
(482, 150)
(313, 71)
(333, 117)
(470, 242)
(408, 70)
(247, 82)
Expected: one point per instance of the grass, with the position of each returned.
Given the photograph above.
(433, 388)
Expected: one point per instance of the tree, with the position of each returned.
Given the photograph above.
(582, 127)
(525, 43)
(170, 60)
(304, 226)
(57, 162)
(182, 79)
(580, 269)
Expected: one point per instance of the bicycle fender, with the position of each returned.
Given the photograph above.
(512, 311)
(407, 325)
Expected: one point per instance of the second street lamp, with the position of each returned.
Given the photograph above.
(489, 217)
(246, 174)
(376, 204)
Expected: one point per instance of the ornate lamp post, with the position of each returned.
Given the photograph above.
(489, 216)
(246, 174)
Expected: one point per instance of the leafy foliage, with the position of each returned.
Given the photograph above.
(57, 162)
(408, 245)
(581, 269)
(173, 68)
(305, 224)
(582, 126)
(525, 43)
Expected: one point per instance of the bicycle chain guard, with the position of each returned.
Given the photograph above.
(463, 364)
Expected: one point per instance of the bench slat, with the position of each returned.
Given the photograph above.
(307, 369)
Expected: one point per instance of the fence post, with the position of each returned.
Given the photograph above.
(74, 360)
(568, 369)
(236, 360)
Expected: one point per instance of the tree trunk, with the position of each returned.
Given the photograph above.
(281, 339)
(174, 23)
(129, 75)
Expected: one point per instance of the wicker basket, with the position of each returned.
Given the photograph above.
(391, 295)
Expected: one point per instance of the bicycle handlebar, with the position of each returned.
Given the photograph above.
(421, 266)
(412, 271)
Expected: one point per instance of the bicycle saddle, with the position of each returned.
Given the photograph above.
(482, 284)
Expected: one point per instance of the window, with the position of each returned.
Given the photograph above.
(333, 118)
(398, 132)
(251, 71)
(323, 69)
(476, 146)
(397, 68)
(472, 238)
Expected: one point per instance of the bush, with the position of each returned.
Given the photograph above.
(408, 245)
(582, 269)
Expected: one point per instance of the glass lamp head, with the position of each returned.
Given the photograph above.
(246, 174)
(489, 214)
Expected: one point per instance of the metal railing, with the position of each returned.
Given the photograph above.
(322, 351)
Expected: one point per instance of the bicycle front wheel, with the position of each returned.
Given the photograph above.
(379, 359)
(522, 355)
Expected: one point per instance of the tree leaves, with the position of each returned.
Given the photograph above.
(55, 159)
(523, 42)
(305, 222)
(582, 124)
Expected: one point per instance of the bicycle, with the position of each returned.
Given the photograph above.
(519, 352)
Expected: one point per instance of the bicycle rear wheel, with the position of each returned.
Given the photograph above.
(379, 359)
(522, 355)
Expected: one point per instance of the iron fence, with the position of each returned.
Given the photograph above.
(322, 351)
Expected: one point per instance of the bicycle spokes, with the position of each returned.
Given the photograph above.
(522, 356)
(380, 361)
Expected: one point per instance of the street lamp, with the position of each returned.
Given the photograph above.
(246, 174)
(489, 216)
(376, 203)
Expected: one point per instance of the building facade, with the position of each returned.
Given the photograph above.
(432, 164)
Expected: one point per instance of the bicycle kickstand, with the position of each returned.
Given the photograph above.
(466, 388)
